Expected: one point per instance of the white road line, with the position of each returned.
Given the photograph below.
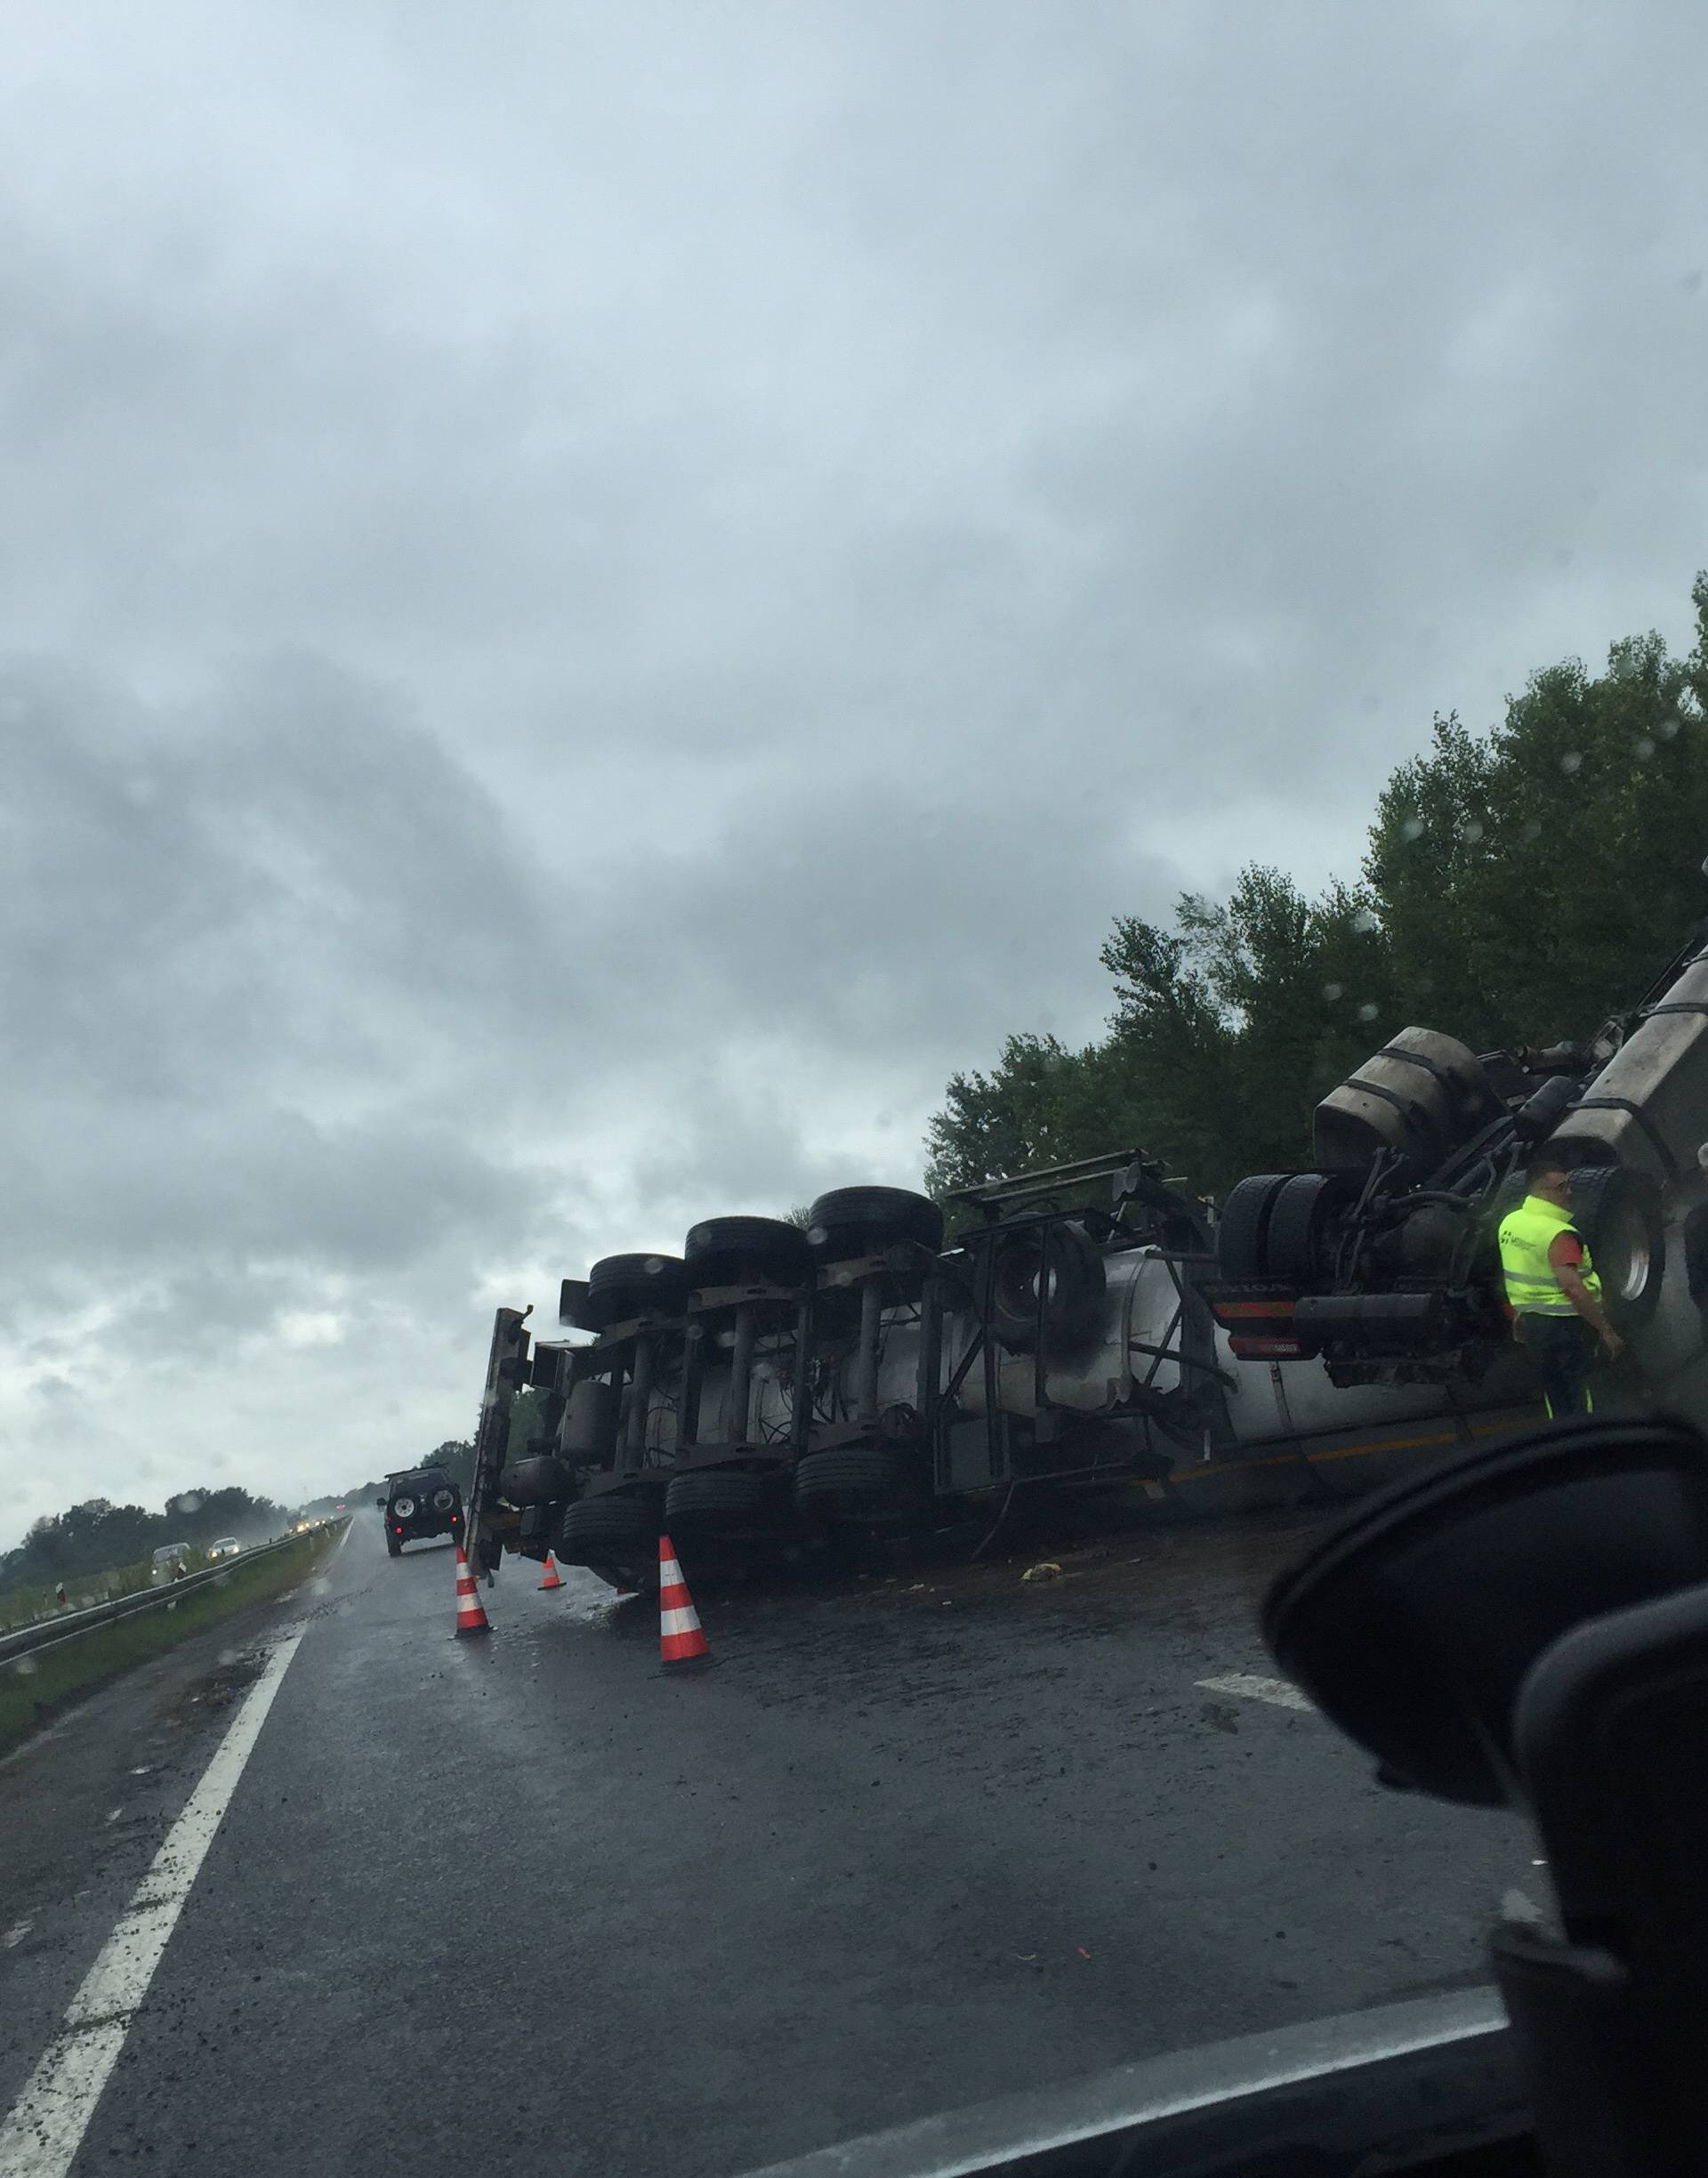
(50, 2117)
(1276, 1690)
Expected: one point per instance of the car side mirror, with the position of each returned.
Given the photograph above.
(381, 1503)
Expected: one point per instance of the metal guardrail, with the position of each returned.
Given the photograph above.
(68, 1625)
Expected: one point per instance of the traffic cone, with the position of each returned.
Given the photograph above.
(680, 1638)
(471, 1615)
(553, 1578)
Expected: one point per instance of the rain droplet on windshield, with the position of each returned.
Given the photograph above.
(1368, 1012)
(1332, 991)
(1644, 748)
(190, 1502)
(1571, 761)
(1532, 828)
(1470, 832)
(1365, 920)
(1668, 729)
(1412, 828)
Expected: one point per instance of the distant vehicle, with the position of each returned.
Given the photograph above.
(420, 1501)
(339, 1505)
(302, 1527)
(171, 1563)
(227, 1546)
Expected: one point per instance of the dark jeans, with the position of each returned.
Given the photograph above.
(1562, 1347)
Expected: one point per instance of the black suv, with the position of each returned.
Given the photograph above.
(420, 1501)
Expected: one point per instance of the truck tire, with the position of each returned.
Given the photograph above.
(865, 1220)
(1618, 1213)
(608, 1531)
(714, 1500)
(1065, 1255)
(1299, 1216)
(619, 1286)
(1243, 1226)
(851, 1482)
(730, 1251)
(393, 1548)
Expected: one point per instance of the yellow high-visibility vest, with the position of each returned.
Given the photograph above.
(1533, 1286)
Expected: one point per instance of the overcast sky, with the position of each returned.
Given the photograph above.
(592, 598)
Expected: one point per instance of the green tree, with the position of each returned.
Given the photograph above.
(1041, 1104)
(1533, 883)
(1518, 888)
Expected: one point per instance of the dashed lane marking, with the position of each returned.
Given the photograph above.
(50, 2117)
(1256, 1688)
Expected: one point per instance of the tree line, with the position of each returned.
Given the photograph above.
(1518, 886)
(98, 1536)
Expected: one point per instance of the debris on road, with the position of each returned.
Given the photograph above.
(1045, 1569)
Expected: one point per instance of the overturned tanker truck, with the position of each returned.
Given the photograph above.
(773, 1393)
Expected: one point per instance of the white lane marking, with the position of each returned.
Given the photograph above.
(1255, 1688)
(51, 2117)
(16, 1933)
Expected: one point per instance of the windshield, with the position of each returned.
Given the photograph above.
(838, 802)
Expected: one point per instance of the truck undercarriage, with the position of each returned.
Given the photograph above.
(771, 1393)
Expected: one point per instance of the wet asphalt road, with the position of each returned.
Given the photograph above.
(910, 1844)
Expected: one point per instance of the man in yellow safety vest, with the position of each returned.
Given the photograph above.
(1553, 1289)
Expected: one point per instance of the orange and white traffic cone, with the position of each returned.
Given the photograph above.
(553, 1578)
(680, 1638)
(471, 1615)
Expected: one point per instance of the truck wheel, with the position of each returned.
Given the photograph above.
(727, 1251)
(852, 1482)
(1243, 1227)
(606, 1530)
(622, 1286)
(1299, 1215)
(1065, 1255)
(1618, 1213)
(865, 1220)
(717, 1501)
(393, 1548)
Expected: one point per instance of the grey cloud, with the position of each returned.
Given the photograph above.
(599, 597)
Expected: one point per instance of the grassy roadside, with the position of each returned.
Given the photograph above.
(34, 1687)
(22, 1607)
